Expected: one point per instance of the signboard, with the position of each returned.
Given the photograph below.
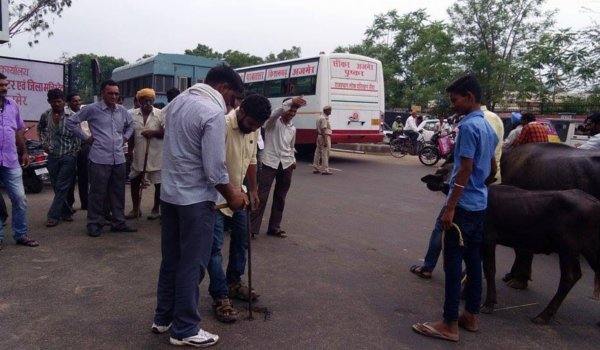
(29, 82)
(304, 69)
(255, 76)
(278, 73)
(4, 21)
(347, 68)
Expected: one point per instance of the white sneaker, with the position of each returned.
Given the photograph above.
(160, 329)
(201, 340)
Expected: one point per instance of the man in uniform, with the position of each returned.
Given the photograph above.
(321, 159)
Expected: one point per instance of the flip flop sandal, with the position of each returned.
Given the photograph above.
(418, 270)
(427, 330)
(51, 223)
(224, 312)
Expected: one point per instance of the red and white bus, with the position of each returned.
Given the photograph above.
(351, 84)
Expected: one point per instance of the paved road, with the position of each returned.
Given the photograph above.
(340, 281)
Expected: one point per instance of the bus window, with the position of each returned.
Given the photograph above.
(302, 86)
(274, 88)
(162, 83)
(257, 87)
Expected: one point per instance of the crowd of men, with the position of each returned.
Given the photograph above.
(200, 153)
(199, 150)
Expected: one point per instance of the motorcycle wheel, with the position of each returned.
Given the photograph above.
(429, 156)
(33, 185)
(398, 148)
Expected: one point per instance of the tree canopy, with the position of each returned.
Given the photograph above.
(238, 59)
(32, 16)
(82, 73)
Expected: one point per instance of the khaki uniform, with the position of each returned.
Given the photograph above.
(321, 159)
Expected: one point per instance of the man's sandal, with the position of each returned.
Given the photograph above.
(280, 234)
(241, 292)
(224, 312)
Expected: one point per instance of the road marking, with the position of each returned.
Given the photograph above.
(515, 307)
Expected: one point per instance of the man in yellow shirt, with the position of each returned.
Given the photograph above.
(242, 126)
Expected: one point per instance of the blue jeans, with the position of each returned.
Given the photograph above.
(237, 254)
(471, 225)
(13, 181)
(186, 240)
(435, 245)
(62, 175)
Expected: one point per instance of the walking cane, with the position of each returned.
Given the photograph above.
(142, 180)
(249, 237)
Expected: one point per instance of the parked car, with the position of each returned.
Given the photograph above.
(429, 127)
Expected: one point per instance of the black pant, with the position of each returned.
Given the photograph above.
(81, 179)
(283, 181)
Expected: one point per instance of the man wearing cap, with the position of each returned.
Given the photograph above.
(145, 148)
(321, 160)
(515, 132)
(110, 126)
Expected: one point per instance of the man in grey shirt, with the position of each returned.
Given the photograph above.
(110, 126)
(193, 172)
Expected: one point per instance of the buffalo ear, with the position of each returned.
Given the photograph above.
(432, 178)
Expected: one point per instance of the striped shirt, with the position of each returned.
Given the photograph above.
(56, 138)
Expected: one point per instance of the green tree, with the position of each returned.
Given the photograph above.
(493, 37)
(204, 51)
(237, 59)
(294, 52)
(32, 16)
(82, 73)
(560, 63)
(417, 56)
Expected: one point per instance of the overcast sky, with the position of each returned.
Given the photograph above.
(129, 29)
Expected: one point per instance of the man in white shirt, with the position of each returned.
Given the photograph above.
(278, 163)
(411, 129)
(593, 125)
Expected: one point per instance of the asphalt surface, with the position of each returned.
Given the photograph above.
(339, 281)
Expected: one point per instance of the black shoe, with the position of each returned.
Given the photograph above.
(123, 229)
(94, 231)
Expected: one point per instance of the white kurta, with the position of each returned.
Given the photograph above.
(155, 121)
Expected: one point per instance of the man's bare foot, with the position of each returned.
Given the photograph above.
(468, 321)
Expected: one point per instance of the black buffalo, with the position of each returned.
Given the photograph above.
(547, 166)
(565, 222)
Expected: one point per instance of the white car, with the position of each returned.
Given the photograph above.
(428, 127)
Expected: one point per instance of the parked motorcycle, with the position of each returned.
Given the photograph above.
(36, 173)
(440, 147)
